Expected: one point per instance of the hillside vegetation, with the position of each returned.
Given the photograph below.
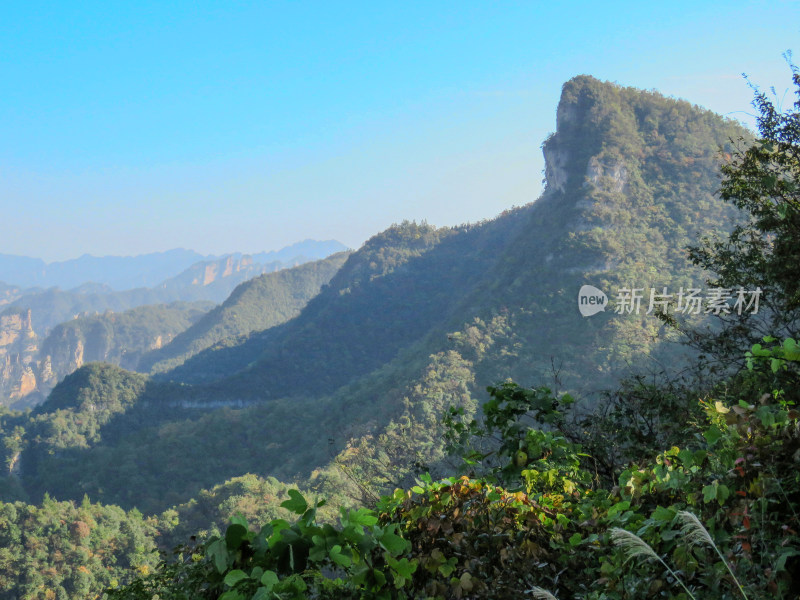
(255, 305)
(34, 365)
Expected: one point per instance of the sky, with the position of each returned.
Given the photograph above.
(135, 127)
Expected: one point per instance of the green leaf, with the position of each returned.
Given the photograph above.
(362, 516)
(296, 503)
(403, 569)
(262, 594)
(218, 552)
(780, 564)
(712, 435)
(669, 534)
(618, 507)
(234, 577)
(269, 580)
(239, 519)
(234, 535)
(663, 514)
(340, 559)
(447, 568)
(575, 539)
(393, 544)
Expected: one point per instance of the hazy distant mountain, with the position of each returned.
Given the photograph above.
(47, 333)
(310, 249)
(117, 272)
(211, 279)
(145, 270)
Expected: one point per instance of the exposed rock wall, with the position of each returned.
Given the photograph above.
(18, 347)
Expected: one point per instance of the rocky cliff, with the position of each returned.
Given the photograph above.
(18, 346)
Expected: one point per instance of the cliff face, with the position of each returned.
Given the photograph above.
(227, 271)
(18, 347)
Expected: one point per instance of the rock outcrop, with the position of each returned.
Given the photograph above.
(18, 347)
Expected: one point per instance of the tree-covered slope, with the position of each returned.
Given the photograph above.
(255, 305)
(389, 295)
(121, 338)
(631, 182)
(631, 178)
(63, 550)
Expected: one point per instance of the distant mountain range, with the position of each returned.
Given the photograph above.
(143, 271)
(46, 334)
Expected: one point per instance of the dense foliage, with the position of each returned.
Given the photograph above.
(60, 550)
(761, 253)
(537, 516)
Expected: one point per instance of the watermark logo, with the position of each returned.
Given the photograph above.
(591, 300)
(688, 301)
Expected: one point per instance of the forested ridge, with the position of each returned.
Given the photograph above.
(255, 305)
(605, 479)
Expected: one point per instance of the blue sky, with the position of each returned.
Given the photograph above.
(132, 127)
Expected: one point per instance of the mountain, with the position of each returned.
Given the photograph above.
(307, 250)
(30, 366)
(9, 293)
(346, 396)
(34, 364)
(26, 374)
(118, 272)
(419, 319)
(143, 271)
(211, 280)
(390, 294)
(630, 183)
(255, 305)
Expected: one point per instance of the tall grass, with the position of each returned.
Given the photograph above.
(635, 547)
(694, 534)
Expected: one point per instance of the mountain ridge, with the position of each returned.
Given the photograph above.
(422, 318)
(147, 270)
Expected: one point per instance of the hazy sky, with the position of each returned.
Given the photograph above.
(131, 127)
